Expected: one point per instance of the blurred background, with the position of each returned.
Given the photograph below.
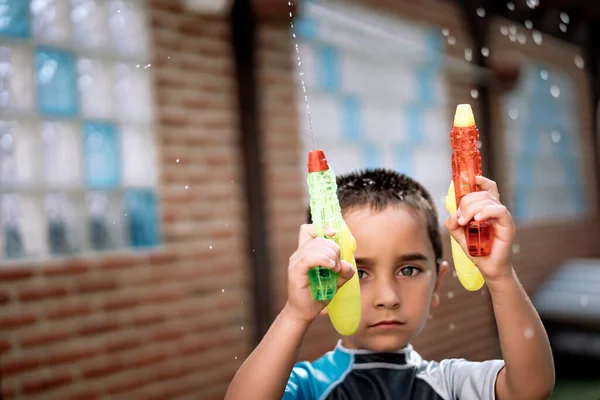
(153, 178)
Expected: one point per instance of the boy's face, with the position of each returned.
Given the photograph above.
(398, 277)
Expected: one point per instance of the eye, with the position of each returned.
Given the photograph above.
(409, 270)
(361, 274)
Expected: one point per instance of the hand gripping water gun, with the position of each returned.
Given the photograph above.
(344, 308)
(466, 165)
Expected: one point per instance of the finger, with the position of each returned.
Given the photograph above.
(488, 185)
(496, 211)
(474, 197)
(346, 272)
(307, 261)
(456, 230)
(309, 232)
(467, 212)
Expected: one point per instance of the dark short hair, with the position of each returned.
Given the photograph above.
(379, 188)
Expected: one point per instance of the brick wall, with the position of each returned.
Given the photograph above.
(135, 324)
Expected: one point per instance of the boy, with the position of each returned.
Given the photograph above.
(399, 260)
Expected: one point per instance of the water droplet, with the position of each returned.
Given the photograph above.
(544, 74)
(564, 17)
(537, 37)
(513, 38)
(532, 3)
(428, 273)
(451, 40)
(516, 248)
(222, 290)
(290, 15)
(241, 302)
(253, 250)
(186, 186)
(513, 113)
(474, 93)
(177, 161)
(504, 30)
(242, 327)
(485, 51)
(289, 3)
(563, 27)
(468, 54)
(210, 247)
(454, 274)
(584, 301)
(479, 144)
(555, 135)
(481, 12)
(430, 317)
(510, 6)
(528, 24)
(555, 91)
(169, 57)
(528, 333)
(579, 61)
(450, 295)
(521, 38)
(236, 357)
(445, 32)
(513, 30)
(452, 326)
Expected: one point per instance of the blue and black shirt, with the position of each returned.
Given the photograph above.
(344, 374)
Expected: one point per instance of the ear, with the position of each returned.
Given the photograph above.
(435, 297)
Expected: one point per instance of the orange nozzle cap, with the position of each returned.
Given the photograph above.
(317, 161)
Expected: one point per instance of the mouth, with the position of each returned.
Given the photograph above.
(387, 324)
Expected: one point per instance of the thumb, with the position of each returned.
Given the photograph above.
(346, 272)
(456, 230)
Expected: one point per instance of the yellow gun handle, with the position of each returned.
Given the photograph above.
(468, 274)
(344, 309)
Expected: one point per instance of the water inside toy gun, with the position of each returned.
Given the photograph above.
(344, 308)
(468, 274)
(466, 165)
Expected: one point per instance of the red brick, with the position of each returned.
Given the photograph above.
(81, 394)
(72, 352)
(121, 343)
(10, 273)
(43, 383)
(7, 391)
(4, 297)
(148, 319)
(66, 267)
(41, 338)
(124, 384)
(4, 345)
(168, 333)
(42, 291)
(120, 261)
(16, 319)
(101, 368)
(98, 285)
(99, 326)
(164, 257)
(68, 310)
(19, 364)
(121, 302)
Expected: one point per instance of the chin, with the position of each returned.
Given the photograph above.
(386, 344)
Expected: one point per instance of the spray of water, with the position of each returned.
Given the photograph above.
(312, 134)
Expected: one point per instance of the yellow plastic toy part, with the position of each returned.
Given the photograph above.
(344, 309)
(468, 274)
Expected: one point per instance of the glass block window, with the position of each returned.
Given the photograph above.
(543, 137)
(77, 149)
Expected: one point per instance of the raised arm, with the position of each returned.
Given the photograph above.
(265, 373)
(529, 366)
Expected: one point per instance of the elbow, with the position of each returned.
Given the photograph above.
(540, 391)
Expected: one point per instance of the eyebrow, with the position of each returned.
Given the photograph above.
(401, 259)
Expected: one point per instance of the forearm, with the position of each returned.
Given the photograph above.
(266, 371)
(529, 366)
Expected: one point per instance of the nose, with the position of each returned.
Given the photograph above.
(386, 297)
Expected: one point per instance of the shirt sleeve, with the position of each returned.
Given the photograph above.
(297, 384)
(471, 380)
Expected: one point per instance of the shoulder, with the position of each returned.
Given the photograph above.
(460, 378)
(309, 380)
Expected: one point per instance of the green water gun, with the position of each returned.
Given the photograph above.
(344, 307)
